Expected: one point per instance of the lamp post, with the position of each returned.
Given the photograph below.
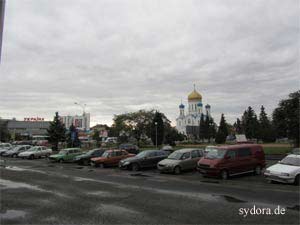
(156, 134)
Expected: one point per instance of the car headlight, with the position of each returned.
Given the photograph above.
(285, 174)
(125, 163)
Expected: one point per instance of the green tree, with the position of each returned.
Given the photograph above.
(173, 135)
(72, 137)
(222, 131)
(157, 129)
(266, 131)
(238, 126)
(286, 118)
(202, 130)
(250, 123)
(4, 133)
(211, 129)
(56, 132)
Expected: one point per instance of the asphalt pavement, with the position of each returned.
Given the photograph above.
(40, 192)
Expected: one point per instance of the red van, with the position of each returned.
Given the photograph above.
(230, 160)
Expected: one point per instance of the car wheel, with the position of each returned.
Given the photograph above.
(297, 180)
(101, 165)
(135, 167)
(60, 160)
(257, 170)
(31, 157)
(14, 155)
(224, 174)
(177, 170)
(47, 155)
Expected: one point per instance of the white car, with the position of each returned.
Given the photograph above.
(16, 150)
(286, 171)
(36, 152)
(5, 147)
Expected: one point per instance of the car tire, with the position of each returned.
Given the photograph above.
(297, 180)
(257, 170)
(14, 156)
(60, 161)
(135, 167)
(224, 175)
(177, 170)
(85, 162)
(101, 165)
(47, 155)
(31, 157)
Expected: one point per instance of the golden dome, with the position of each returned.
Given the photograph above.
(194, 96)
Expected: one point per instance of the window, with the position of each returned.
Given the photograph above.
(231, 154)
(186, 155)
(244, 152)
(118, 153)
(152, 154)
(200, 152)
(195, 154)
(112, 154)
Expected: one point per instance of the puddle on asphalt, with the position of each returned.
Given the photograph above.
(102, 194)
(12, 214)
(14, 168)
(115, 209)
(139, 175)
(295, 207)
(210, 181)
(84, 179)
(230, 198)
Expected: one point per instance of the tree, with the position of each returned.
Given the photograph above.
(250, 123)
(157, 129)
(222, 131)
(4, 133)
(238, 126)
(266, 131)
(202, 130)
(286, 118)
(56, 132)
(211, 129)
(173, 135)
(72, 137)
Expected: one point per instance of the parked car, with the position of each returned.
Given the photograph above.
(296, 151)
(168, 149)
(147, 158)
(85, 158)
(16, 150)
(5, 147)
(180, 160)
(65, 155)
(285, 171)
(232, 160)
(35, 152)
(110, 158)
(130, 148)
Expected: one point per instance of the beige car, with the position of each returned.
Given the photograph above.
(180, 160)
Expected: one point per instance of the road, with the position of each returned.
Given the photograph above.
(40, 192)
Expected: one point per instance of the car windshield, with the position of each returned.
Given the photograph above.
(293, 161)
(215, 153)
(62, 152)
(33, 149)
(175, 155)
(105, 154)
(142, 154)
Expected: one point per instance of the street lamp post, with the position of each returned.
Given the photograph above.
(156, 134)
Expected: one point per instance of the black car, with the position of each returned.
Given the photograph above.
(85, 157)
(130, 148)
(145, 159)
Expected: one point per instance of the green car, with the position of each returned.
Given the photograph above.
(65, 155)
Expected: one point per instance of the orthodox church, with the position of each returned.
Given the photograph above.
(188, 123)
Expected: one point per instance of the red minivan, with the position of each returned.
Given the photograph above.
(230, 160)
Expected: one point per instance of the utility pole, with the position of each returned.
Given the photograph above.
(2, 8)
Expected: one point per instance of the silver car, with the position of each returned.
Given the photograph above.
(180, 160)
(36, 152)
(16, 150)
(5, 147)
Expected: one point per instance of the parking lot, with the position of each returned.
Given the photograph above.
(40, 192)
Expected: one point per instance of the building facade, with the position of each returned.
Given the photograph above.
(81, 122)
(188, 122)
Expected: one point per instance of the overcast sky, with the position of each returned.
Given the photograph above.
(119, 56)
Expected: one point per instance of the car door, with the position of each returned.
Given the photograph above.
(195, 156)
(150, 159)
(160, 155)
(245, 160)
(231, 162)
(186, 162)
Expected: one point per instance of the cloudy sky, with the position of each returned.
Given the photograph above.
(119, 56)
